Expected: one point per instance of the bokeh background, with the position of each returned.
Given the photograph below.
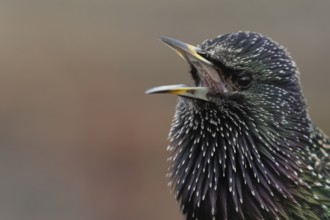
(78, 137)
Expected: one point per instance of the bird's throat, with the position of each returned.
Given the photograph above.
(223, 163)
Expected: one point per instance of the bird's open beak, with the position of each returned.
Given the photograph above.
(209, 78)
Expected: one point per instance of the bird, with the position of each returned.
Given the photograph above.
(242, 143)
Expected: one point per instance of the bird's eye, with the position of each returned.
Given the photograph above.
(244, 81)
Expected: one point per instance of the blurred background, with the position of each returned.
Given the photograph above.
(78, 137)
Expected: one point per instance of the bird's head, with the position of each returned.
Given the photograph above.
(243, 68)
(238, 129)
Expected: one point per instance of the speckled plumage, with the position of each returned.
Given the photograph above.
(251, 152)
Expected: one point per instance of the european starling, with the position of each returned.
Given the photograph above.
(242, 143)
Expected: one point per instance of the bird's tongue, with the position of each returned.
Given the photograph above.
(209, 76)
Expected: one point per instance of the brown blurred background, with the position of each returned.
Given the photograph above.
(79, 140)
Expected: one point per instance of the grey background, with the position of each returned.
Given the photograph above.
(78, 137)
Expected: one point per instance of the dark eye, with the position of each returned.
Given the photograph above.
(244, 81)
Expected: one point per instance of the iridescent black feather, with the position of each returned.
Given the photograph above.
(252, 152)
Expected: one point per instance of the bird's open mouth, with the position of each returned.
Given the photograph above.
(209, 78)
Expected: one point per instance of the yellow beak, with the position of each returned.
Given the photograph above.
(181, 90)
(186, 51)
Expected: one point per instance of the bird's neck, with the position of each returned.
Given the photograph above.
(230, 161)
